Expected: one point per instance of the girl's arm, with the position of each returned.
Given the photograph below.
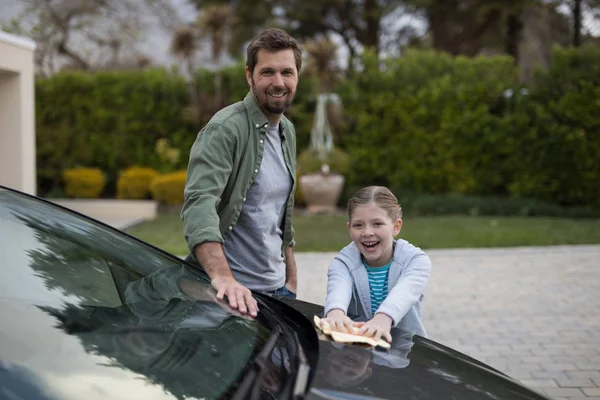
(408, 289)
(339, 292)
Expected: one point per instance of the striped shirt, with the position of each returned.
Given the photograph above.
(378, 283)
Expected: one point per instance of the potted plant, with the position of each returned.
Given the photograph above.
(322, 166)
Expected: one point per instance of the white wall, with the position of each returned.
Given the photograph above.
(17, 113)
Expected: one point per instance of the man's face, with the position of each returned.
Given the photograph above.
(274, 81)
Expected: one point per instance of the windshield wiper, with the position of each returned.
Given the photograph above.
(258, 369)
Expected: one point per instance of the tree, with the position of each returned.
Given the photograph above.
(462, 26)
(88, 34)
(360, 24)
(578, 9)
(184, 46)
(214, 22)
(322, 62)
(246, 18)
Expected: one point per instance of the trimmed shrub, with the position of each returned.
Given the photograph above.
(113, 120)
(423, 122)
(168, 188)
(556, 135)
(83, 182)
(109, 120)
(134, 183)
(432, 123)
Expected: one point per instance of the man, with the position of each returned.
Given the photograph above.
(239, 193)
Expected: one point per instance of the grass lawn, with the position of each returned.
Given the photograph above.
(328, 233)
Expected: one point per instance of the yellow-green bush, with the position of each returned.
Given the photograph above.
(84, 182)
(134, 183)
(168, 188)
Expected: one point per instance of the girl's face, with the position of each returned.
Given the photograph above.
(373, 231)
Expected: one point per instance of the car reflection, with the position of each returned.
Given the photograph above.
(351, 365)
(173, 330)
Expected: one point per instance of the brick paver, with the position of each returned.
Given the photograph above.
(533, 313)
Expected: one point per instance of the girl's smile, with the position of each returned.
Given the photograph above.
(373, 231)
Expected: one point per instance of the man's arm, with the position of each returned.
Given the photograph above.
(210, 166)
(291, 277)
(212, 258)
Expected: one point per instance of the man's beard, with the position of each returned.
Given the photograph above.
(269, 105)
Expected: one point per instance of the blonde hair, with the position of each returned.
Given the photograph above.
(379, 195)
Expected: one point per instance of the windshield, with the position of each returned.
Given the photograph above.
(127, 302)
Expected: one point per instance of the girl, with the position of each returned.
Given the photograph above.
(376, 278)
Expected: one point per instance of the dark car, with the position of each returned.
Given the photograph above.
(88, 312)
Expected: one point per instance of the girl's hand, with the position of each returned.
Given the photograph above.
(338, 321)
(379, 326)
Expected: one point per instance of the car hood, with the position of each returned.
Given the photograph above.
(415, 368)
(38, 361)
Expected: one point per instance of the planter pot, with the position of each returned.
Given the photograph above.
(321, 192)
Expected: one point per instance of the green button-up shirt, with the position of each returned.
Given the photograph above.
(224, 161)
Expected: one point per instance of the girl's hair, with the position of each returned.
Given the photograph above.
(381, 196)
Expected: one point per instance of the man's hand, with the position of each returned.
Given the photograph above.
(203, 292)
(239, 297)
(379, 326)
(212, 258)
(338, 321)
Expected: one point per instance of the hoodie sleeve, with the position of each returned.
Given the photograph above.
(408, 289)
(339, 287)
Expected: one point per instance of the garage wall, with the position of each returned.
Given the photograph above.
(17, 113)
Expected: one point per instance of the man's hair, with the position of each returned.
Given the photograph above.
(379, 195)
(272, 39)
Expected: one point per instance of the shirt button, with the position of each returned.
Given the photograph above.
(256, 171)
(244, 199)
(261, 140)
(257, 125)
(231, 227)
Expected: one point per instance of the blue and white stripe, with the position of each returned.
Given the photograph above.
(378, 283)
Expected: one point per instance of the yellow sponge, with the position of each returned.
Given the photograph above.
(347, 337)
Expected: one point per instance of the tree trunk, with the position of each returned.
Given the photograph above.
(513, 36)
(577, 23)
(439, 25)
(373, 21)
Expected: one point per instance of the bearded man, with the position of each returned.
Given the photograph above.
(241, 179)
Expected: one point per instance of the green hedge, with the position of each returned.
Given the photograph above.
(423, 123)
(556, 130)
(106, 120)
(112, 120)
(430, 123)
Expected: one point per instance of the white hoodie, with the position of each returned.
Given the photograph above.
(348, 286)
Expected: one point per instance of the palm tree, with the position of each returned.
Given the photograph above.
(214, 22)
(322, 64)
(184, 46)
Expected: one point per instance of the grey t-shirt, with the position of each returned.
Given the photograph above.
(253, 247)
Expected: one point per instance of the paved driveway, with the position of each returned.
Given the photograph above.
(533, 312)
